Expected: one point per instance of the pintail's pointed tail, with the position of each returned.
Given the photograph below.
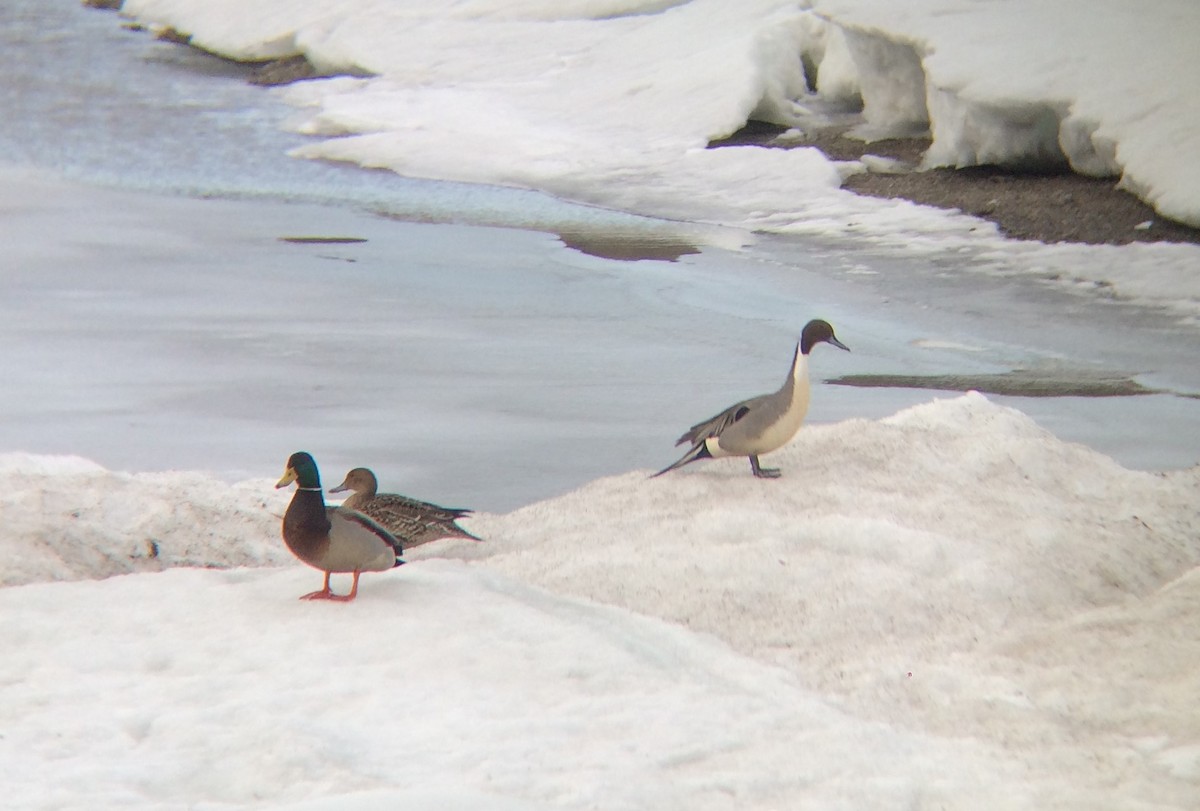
(698, 451)
(459, 532)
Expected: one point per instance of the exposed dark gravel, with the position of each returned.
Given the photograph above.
(1051, 206)
(1019, 383)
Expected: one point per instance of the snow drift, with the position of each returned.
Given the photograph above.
(1098, 86)
(948, 608)
(67, 518)
(612, 102)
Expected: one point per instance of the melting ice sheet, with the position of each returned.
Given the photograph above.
(89, 101)
(483, 367)
(613, 104)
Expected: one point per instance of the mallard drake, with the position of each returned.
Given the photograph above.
(332, 539)
(416, 521)
(764, 423)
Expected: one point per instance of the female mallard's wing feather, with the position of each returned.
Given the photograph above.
(402, 504)
(415, 520)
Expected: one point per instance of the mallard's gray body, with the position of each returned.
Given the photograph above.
(333, 539)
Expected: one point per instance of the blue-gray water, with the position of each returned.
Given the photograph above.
(90, 99)
(470, 364)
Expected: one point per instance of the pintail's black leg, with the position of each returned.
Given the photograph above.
(763, 472)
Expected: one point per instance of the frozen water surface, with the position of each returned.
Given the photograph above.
(478, 365)
(485, 366)
(98, 103)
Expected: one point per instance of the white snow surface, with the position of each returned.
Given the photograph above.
(612, 103)
(1102, 84)
(68, 518)
(946, 608)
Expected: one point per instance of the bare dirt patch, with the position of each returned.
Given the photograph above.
(1050, 206)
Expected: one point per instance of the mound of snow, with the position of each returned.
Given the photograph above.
(904, 565)
(444, 686)
(948, 608)
(915, 535)
(67, 518)
(556, 95)
(1103, 85)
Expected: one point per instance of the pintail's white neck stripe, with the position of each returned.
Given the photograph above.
(799, 365)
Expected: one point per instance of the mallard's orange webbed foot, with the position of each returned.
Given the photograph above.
(327, 593)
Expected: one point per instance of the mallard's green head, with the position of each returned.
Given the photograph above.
(300, 469)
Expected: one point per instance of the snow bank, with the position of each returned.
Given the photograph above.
(890, 542)
(953, 568)
(560, 96)
(1103, 86)
(948, 608)
(67, 518)
(611, 104)
(443, 687)
(605, 104)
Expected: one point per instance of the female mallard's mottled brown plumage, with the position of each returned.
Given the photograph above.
(417, 522)
(332, 539)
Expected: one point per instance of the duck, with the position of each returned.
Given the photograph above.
(760, 424)
(330, 538)
(416, 521)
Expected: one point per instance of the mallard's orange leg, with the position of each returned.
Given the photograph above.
(324, 594)
(353, 591)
